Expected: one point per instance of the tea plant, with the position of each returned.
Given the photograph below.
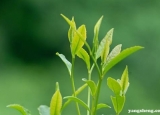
(90, 55)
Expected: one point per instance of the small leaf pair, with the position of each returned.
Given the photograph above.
(119, 87)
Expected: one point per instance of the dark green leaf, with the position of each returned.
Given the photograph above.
(20, 108)
(44, 110)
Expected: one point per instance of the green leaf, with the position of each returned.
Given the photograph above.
(120, 57)
(43, 110)
(84, 55)
(124, 82)
(56, 102)
(107, 40)
(78, 91)
(102, 105)
(77, 42)
(114, 85)
(68, 21)
(77, 100)
(96, 32)
(68, 64)
(91, 85)
(118, 103)
(105, 53)
(71, 31)
(20, 108)
(116, 50)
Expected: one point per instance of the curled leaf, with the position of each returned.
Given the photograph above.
(78, 41)
(20, 108)
(67, 63)
(91, 85)
(78, 91)
(102, 105)
(84, 55)
(56, 102)
(77, 100)
(124, 82)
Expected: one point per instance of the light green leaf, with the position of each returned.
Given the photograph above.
(116, 50)
(124, 82)
(44, 110)
(77, 100)
(102, 105)
(68, 21)
(77, 42)
(56, 102)
(107, 40)
(114, 85)
(91, 85)
(67, 63)
(105, 53)
(71, 31)
(96, 32)
(118, 103)
(84, 55)
(20, 108)
(78, 91)
(120, 57)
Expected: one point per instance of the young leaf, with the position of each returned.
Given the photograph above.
(78, 91)
(124, 82)
(120, 57)
(68, 21)
(114, 86)
(107, 40)
(96, 32)
(118, 103)
(43, 110)
(68, 64)
(84, 55)
(56, 102)
(20, 108)
(77, 43)
(116, 50)
(105, 53)
(77, 100)
(102, 105)
(91, 85)
(71, 31)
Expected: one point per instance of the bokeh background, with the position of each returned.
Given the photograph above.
(32, 31)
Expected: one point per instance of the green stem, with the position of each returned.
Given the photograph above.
(89, 91)
(95, 101)
(73, 85)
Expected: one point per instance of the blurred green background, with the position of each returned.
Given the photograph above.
(32, 31)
